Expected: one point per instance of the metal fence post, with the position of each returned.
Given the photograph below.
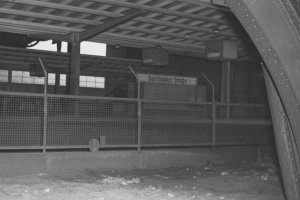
(45, 120)
(213, 114)
(139, 110)
(139, 116)
(213, 111)
(45, 110)
(139, 124)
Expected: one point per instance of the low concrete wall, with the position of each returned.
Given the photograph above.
(15, 164)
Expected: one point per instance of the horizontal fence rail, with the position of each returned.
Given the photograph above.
(72, 122)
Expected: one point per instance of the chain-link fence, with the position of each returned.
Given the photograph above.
(242, 111)
(74, 121)
(175, 123)
(21, 119)
(36, 121)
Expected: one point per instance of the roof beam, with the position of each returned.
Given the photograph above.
(205, 3)
(184, 26)
(87, 34)
(161, 33)
(162, 11)
(149, 42)
(46, 16)
(37, 26)
(89, 22)
(60, 6)
(54, 37)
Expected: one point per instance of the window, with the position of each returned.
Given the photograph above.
(92, 82)
(63, 80)
(24, 77)
(51, 79)
(85, 81)
(3, 75)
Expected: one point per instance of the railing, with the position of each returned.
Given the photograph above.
(72, 121)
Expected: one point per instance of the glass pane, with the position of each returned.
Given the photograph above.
(39, 81)
(3, 75)
(100, 79)
(82, 84)
(99, 85)
(63, 78)
(27, 80)
(3, 79)
(51, 81)
(51, 76)
(3, 72)
(82, 78)
(16, 73)
(91, 78)
(16, 79)
(26, 74)
(91, 84)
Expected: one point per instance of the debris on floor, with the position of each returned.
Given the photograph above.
(228, 181)
(118, 180)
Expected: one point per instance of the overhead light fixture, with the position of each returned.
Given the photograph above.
(216, 29)
(157, 56)
(221, 49)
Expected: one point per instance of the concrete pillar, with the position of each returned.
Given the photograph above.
(57, 83)
(225, 86)
(74, 68)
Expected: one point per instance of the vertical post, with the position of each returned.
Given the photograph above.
(213, 111)
(45, 117)
(9, 79)
(74, 69)
(225, 86)
(57, 83)
(139, 110)
(9, 85)
(213, 115)
(139, 116)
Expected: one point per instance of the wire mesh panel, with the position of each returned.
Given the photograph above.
(242, 124)
(168, 123)
(243, 134)
(21, 120)
(242, 111)
(75, 121)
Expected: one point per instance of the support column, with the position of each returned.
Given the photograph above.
(279, 47)
(74, 68)
(57, 83)
(225, 86)
(286, 147)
